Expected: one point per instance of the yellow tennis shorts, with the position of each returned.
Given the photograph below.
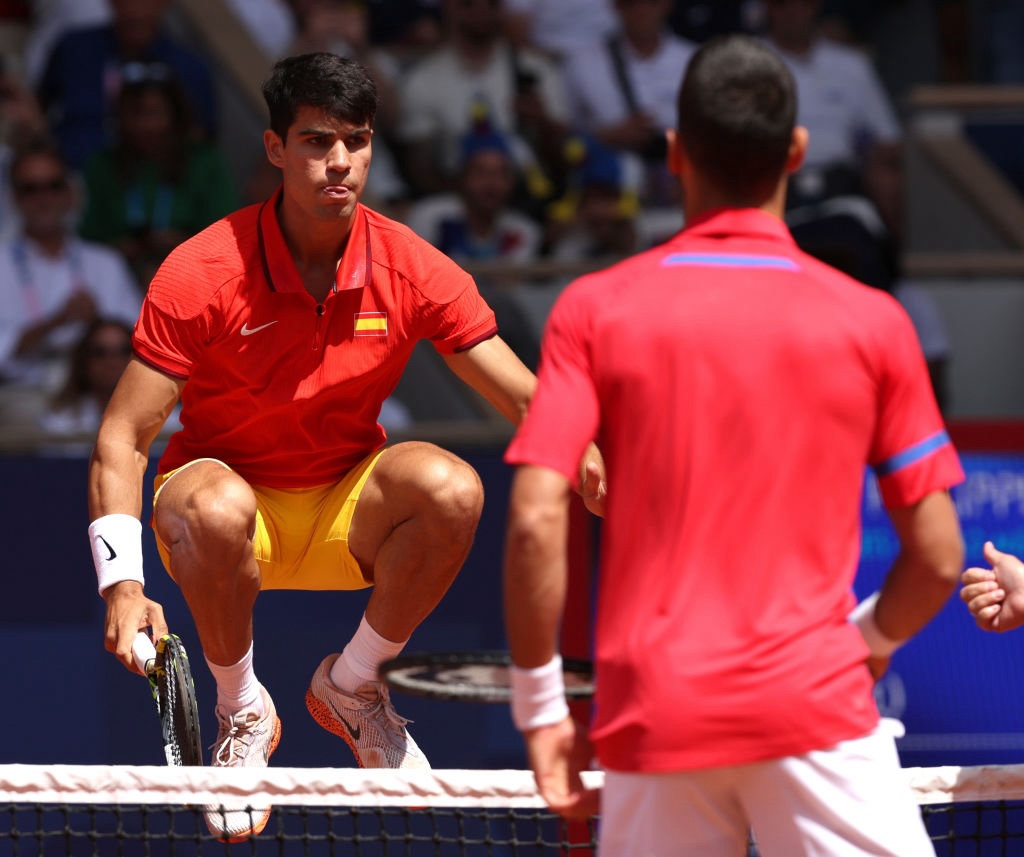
(301, 539)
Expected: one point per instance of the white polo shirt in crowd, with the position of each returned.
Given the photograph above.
(596, 97)
(841, 103)
(34, 286)
(439, 96)
(560, 27)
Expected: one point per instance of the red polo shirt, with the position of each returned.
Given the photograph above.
(284, 389)
(738, 389)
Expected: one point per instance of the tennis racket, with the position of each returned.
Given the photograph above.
(473, 676)
(170, 681)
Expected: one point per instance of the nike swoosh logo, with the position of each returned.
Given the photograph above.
(106, 544)
(249, 331)
(354, 732)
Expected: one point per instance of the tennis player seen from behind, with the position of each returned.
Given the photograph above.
(282, 328)
(739, 389)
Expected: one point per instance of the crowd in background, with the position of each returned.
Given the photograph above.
(510, 131)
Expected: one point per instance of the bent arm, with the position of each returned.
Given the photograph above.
(496, 373)
(141, 403)
(927, 569)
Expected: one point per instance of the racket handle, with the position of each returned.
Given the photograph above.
(144, 652)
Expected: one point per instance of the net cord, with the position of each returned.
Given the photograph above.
(159, 785)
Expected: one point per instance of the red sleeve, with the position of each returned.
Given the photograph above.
(912, 454)
(170, 331)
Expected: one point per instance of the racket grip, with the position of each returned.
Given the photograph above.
(144, 652)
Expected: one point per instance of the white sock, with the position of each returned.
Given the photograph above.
(358, 663)
(237, 687)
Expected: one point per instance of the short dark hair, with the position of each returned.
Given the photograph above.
(737, 109)
(341, 87)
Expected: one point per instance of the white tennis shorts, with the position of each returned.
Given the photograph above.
(849, 801)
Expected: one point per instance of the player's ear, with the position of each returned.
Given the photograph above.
(797, 149)
(274, 146)
(676, 155)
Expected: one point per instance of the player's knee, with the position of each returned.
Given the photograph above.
(220, 516)
(457, 494)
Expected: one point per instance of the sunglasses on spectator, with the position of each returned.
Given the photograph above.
(110, 350)
(54, 185)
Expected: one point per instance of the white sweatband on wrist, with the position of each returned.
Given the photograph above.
(863, 616)
(116, 542)
(538, 695)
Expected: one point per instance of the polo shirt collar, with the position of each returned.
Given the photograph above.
(279, 266)
(738, 223)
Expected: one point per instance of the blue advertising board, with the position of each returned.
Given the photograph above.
(958, 690)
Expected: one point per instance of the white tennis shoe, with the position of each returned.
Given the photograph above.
(366, 721)
(244, 740)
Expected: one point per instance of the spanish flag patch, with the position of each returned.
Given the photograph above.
(371, 324)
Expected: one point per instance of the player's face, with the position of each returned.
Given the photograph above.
(324, 162)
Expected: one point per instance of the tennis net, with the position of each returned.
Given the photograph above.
(150, 810)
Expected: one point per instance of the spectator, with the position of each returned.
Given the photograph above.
(52, 284)
(72, 416)
(87, 66)
(50, 20)
(21, 121)
(597, 219)
(156, 185)
(478, 75)
(842, 102)
(409, 27)
(558, 29)
(623, 89)
(270, 23)
(477, 221)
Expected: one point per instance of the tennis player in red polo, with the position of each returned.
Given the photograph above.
(282, 329)
(739, 389)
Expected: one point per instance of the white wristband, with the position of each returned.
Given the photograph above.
(538, 695)
(116, 542)
(863, 616)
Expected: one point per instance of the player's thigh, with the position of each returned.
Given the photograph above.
(203, 491)
(847, 801)
(677, 814)
(414, 480)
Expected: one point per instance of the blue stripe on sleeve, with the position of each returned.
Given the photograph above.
(913, 454)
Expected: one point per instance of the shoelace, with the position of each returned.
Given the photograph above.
(237, 741)
(393, 723)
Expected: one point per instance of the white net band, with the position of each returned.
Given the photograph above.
(150, 785)
(142, 785)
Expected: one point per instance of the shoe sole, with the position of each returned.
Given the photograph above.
(321, 713)
(258, 827)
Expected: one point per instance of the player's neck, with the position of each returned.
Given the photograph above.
(317, 253)
(314, 243)
(703, 198)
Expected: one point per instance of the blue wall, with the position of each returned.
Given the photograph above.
(959, 691)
